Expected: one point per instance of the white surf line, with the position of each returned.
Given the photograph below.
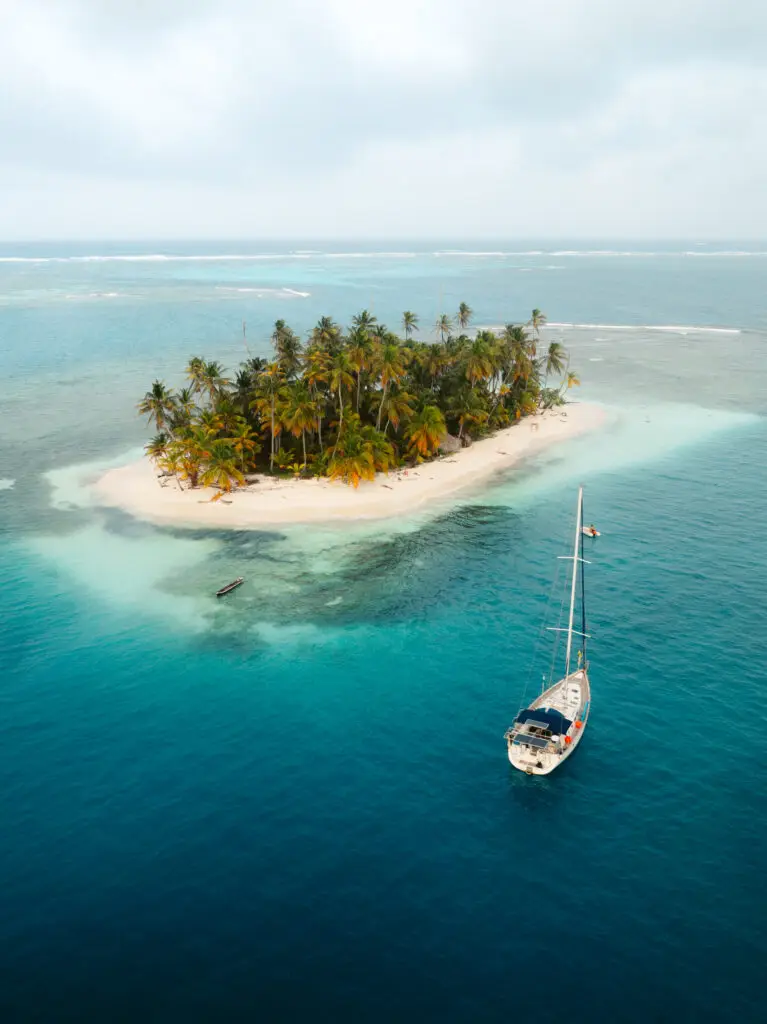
(302, 254)
(284, 292)
(646, 327)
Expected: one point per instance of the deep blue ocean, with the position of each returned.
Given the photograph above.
(297, 803)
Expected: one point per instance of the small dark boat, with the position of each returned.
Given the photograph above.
(230, 586)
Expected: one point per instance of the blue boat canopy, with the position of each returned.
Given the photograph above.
(552, 720)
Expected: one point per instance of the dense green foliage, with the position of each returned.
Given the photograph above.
(348, 404)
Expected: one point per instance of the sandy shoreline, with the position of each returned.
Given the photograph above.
(136, 489)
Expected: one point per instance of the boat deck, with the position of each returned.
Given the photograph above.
(568, 696)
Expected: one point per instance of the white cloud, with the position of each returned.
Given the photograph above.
(411, 118)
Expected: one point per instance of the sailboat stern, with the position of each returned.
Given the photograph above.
(546, 733)
(531, 755)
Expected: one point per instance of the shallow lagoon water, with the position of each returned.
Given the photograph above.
(297, 801)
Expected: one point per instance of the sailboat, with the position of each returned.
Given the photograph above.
(547, 732)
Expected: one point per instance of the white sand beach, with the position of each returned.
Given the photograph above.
(137, 489)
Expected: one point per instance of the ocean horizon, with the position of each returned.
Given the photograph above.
(298, 800)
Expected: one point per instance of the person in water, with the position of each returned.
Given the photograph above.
(593, 530)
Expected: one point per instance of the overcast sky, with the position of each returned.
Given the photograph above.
(383, 119)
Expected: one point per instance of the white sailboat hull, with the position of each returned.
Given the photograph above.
(571, 697)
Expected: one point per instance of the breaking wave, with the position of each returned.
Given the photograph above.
(310, 254)
(290, 293)
(672, 328)
(209, 258)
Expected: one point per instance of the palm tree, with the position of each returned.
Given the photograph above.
(572, 380)
(184, 407)
(171, 462)
(390, 365)
(158, 404)
(516, 355)
(340, 380)
(157, 448)
(360, 352)
(409, 323)
(359, 453)
(288, 349)
(211, 423)
(316, 375)
(243, 441)
(212, 380)
(481, 357)
(352, 465)
(254, 366)
(527, 405)
(469, 409)
(381, 449)
(269, 381)
(537, 321)
(195, 372)
(426, 431)
(464, 315)
(442, 326)
(227, 412)
(221, 470)
(327, 334)
(352, 459)
(364, 320)
(300, 413)
(515, 339)
(189, 453)
(243, 389)
(397, 406)
(556, 358)
(435, 360)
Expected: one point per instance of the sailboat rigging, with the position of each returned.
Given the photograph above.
(548, 731)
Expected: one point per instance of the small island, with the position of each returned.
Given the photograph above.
(350, 407)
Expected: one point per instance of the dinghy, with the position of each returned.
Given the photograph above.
(590, 531)
(230, 586)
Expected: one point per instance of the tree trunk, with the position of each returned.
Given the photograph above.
(340, 419)
(498, 394)
(271, 446)
(380, 408)
(303, 441)
(359, 380)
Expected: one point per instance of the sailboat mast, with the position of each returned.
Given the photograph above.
(583, 594)
(574, 583)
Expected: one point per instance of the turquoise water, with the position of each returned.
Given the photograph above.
(297, 802)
